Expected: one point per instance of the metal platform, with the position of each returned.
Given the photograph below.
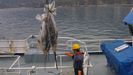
(98, 61)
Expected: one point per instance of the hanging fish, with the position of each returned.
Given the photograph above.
(48, 35)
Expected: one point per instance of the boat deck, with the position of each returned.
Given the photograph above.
(98, 61)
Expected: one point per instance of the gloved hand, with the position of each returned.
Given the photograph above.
(68, 54)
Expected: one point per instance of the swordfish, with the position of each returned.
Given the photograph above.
(48, 35)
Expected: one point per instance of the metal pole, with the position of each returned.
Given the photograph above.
(132, 41)
(14, 62)
(19, 66)
(61, 63)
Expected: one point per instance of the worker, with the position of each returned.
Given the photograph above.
(77, 57)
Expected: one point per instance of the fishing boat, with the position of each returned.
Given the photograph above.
(22, 57)
(26, 59)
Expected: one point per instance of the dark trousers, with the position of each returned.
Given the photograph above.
(76, 71)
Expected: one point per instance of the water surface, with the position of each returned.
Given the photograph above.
(91, 22)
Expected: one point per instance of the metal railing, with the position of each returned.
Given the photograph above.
(31, 42)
